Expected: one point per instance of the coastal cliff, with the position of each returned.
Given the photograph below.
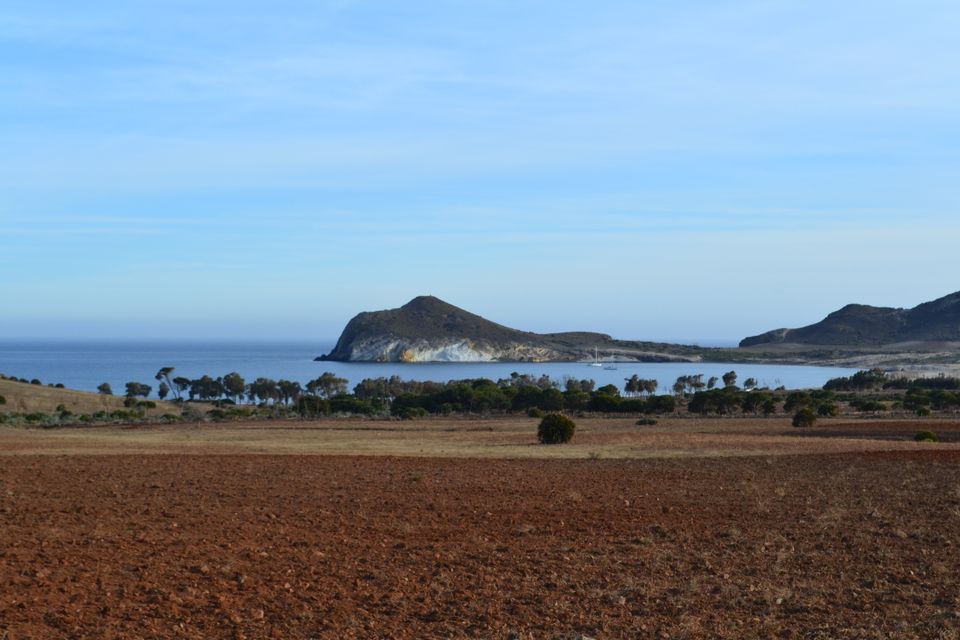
(427, 329)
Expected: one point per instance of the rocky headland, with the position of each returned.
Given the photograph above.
(427, 329)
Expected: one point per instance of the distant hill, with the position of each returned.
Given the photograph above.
(427, 329)
(864, 325)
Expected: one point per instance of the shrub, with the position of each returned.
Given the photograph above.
(923, 412)
(645, 422)
(805, 417)
(661, 404)
(868, 406)
(36, 382)
(310, 406)
(351, 405)
(828, 410)
(123, 416)
(533, 412)
(191, 413)
(3, 400)
(555, 428)
(412, 413)
(796, 400)
(926, 436)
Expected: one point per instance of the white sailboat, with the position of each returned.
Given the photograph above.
(596, 358)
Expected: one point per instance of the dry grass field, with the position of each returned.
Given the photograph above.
(28, 398)
(469, 529)
(512, 437)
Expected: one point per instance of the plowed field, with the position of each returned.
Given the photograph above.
(849, 545)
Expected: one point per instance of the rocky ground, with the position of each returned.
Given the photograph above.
(853, 545)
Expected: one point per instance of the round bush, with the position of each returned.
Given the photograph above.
(926, 436)
(533, 412)
(412, 413)
(555, 428)
(3, 400)
(828, 410)
(645, 422)
(805, 417)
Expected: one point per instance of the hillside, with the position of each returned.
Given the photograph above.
(427, 329)
(864, 325)
(22, 397)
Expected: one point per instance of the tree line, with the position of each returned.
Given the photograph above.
(233, 388)
(328, 393)
(718, 395)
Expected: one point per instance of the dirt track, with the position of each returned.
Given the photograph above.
(244, 546)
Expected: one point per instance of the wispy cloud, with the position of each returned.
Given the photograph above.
(366, 149)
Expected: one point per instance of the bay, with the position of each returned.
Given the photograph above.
(86, 364)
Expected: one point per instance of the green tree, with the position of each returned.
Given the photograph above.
(769, 406)
(609, 390)
(587, 386)
(730, 379)
(164, 375)
(181, 384)
(263, 389)
(234, 385)
(371, 388)
(660, 404)
(327, 385)
(163, 390)
(527, 396)
(754, 401)
(575, 399)
(137, 389)
(290, 390)
(551, 400)
(104, 389)
(206, 388)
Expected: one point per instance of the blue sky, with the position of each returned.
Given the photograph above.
(692, 171)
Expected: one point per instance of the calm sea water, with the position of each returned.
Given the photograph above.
(86, 364)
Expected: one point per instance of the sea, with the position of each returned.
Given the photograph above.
(85, 364)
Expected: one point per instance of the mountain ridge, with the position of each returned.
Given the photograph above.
(866, 325)
(427, 329)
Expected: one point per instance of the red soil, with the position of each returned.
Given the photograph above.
(198, 546)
